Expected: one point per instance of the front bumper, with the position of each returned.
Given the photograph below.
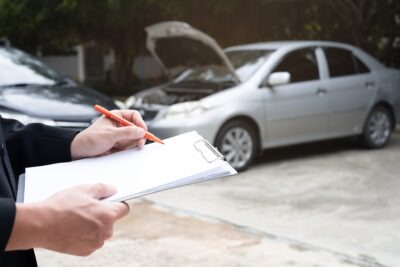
(169, 128)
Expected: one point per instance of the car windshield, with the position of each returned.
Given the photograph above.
(18, 68)
(245, 63)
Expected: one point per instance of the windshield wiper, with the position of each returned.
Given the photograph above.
(204, 84)
(15, 85)
(63, 82)
(227, 83)
(195, 84)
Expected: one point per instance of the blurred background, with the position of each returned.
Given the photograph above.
(102, 43)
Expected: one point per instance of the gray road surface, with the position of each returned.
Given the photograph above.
(332, 195)
(151, 236)
(322, 204)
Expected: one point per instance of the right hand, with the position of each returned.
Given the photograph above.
(106, 136)
(73, 221)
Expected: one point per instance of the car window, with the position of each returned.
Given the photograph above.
(342, 62)
(247, 62)
(360, 66)
(301, 64)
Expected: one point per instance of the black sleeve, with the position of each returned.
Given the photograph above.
(7, 216)
(36, 144)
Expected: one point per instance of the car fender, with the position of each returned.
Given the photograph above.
(388, 91)
(240, 112)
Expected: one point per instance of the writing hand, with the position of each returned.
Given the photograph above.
(105, 136)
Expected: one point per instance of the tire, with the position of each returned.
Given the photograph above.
(377, 128)
(237, 141)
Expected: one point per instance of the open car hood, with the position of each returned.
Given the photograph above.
(177, 46)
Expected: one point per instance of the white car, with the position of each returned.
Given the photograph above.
(247, 98)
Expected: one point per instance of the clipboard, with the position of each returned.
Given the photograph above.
(208, 152)
(21, 188)
(184, 159)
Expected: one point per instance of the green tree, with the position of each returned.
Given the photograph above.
(55, 26)
(117, 24)
(32, 25)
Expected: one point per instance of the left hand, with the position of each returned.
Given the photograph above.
(106, 136)
(73, 221)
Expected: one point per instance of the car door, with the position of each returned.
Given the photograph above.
(296, 112)
(350, 88)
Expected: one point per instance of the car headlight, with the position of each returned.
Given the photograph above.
(186, 110)
(25, 119)
(120, 104)
(130, 101)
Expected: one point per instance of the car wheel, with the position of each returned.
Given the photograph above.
(238, 143)
(378, 128)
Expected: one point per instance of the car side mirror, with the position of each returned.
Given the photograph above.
(278, 78)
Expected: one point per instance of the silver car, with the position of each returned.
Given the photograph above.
(252, 97)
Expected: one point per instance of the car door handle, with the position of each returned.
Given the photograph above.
(321, 91)
(369, 84)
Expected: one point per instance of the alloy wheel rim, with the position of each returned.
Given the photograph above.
(379, 128)
(237, 147)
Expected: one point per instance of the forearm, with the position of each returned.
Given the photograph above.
(36, 144)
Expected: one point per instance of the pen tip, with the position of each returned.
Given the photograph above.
(160, 141)
(153, 138)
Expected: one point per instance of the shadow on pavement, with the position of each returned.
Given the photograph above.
(314, 149)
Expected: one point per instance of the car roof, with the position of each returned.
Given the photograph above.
(287, 44)
(292, 45)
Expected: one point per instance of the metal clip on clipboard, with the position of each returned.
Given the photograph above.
(209, 153)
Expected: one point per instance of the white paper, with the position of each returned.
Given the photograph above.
(134, 172)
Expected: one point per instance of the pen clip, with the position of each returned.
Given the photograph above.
(209, 153)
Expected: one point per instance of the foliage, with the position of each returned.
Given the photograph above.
(55, 26)
(35, 24)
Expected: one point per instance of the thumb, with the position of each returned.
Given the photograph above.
(99, 191)
(128, 133)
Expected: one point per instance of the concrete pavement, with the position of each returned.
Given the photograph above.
(154, 236)
(322, 204)
(332, 195)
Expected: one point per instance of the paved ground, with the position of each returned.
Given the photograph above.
(151, 236)
(324, 204)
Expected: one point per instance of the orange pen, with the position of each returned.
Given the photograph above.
(124, 122)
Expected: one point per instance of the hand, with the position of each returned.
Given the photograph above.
(105, 136)
(72, 221)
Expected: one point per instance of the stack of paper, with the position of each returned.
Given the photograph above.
(184, 159)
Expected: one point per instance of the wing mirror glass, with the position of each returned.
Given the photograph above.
(278, 78)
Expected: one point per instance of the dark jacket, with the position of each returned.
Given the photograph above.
(20, 147)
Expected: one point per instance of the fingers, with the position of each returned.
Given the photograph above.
(99, 191)
(128, 133)
(120, 209)
(135, 117)
(132, 116)
(122, 145)
(115, 211)
(141, 142)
